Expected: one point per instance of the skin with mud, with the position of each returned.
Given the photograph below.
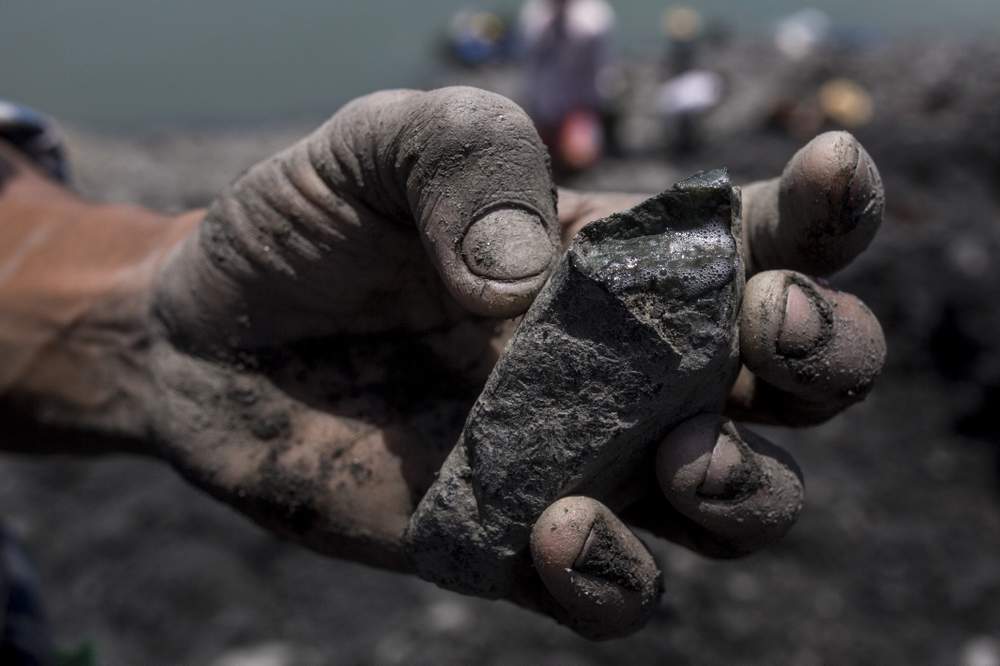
(306, 349)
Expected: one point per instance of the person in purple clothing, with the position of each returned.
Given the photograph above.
(566, 48)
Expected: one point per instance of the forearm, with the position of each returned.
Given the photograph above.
(74, 330)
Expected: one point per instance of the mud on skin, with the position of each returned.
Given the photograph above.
(248, 423)
(386, 225)
(391, 237)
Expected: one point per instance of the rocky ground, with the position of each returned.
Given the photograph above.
(896, 559)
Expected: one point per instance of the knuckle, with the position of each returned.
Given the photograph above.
(472, 121)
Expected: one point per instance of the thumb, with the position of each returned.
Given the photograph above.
(478, 185)
(326, 236)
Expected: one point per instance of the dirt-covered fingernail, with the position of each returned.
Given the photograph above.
(731, 472)
(606, 558)
(802, 328)
(585, 547)
(508, 244)
(604, 579)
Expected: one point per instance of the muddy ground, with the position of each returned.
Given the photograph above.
(896, 559)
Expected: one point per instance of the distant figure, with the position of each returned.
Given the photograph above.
(682, 26)
(566, 47)
(476, 38)
(688, 92)
(802, 33)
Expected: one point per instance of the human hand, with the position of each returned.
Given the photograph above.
(327, 326)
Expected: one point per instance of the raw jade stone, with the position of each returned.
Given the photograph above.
(634, 332)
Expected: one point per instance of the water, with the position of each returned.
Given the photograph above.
(134, 64)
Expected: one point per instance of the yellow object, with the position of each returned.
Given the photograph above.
(847, 103)
(682, 23)
(489, 26)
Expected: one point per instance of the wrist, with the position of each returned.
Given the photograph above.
(75, 284)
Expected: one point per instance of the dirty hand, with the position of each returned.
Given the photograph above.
(352, 272)
(311, 344)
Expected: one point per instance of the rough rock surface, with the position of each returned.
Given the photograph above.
(629, 337)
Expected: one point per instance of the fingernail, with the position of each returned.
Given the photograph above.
(802, 328)
(730, 472)
(584, 553)
(507, 244)
(604, 556)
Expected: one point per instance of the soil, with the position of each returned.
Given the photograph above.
(896, 559)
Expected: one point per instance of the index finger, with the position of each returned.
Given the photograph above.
(820, 214)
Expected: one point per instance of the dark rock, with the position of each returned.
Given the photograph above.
(633, 333)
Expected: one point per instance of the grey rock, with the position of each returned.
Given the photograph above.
(634, 332)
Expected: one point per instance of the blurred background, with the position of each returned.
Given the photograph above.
(897, 557)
